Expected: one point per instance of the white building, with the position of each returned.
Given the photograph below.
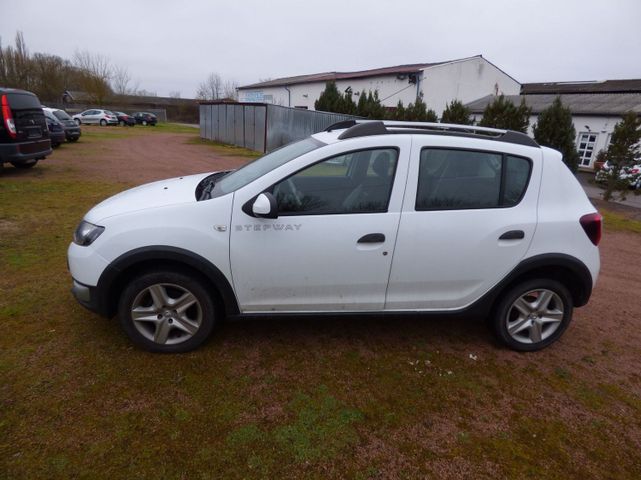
(466, 79)
(596, 108)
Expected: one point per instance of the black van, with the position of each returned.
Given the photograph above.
(24, 136)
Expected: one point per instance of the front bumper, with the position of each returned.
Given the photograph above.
(88, 297)
(72, 133)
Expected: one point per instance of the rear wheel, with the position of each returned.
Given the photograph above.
(533, 315)
(166, 311)
(103, 122)
(24, 165)
(122, 123)
(78, 121)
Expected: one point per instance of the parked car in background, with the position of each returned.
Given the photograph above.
(24, 135)
(124, 119)
(56, 132)
(96, 116)
(384, 217)
(630, 175)
(72, 129)
(145, 118)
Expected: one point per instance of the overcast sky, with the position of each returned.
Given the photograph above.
(171, 45)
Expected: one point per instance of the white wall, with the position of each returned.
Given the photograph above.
(465, 80)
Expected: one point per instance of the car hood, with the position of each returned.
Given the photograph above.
(151, 195)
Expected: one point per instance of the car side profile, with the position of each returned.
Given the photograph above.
(364, 217)
(96, 117)
(145, 118)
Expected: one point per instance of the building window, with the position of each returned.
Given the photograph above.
(587, 140)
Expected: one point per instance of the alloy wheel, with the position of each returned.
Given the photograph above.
(166, 314)
(534, 316)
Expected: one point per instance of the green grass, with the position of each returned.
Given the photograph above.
(300, 398)
(617, 222)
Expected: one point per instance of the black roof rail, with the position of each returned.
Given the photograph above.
(356, 128)
(341, 125)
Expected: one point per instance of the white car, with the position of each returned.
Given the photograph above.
(376, 217)
(96, 116)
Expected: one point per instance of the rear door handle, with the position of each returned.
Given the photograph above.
(372, 238)
(513, 235)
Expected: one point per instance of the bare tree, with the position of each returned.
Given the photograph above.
(174, 94)
(120, 80)
(230, 89)
(96, 71)
(211, 88)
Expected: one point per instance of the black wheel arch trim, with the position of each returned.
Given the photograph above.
(580, 292)
(109, 278)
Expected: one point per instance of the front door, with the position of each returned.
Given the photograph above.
(331, 246)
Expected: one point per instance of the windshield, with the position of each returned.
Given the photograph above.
(256, 169)
(61, 115)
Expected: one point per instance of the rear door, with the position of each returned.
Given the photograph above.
(469, 215)
(28, 117)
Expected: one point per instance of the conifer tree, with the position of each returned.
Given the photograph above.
(502, 113)
(623, 152)
(555, 129)
(329, 98)
(455, 112)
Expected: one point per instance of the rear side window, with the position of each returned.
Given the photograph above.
(23, 101)
(452, 179)
(61, 115)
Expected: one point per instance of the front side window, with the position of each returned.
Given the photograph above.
(355, 182)
(465, 179)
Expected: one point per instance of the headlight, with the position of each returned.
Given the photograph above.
(86, 233)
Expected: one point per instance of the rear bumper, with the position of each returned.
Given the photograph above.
(25, 151)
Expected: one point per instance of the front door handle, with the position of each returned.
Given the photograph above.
(513, 235)
(372, 238)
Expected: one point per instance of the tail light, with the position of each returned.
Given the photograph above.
(635, 171)
(592, 225)
(8, 117)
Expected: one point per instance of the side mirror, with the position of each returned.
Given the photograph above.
(265, 206)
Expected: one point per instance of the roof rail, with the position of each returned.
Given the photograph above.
(362, 128)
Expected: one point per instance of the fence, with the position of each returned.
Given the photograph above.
(259, 126)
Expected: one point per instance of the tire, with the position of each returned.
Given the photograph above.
(121, 123)
(103, 123)
(78, 121)
(144, 122)
(25, 165)
(74, 139)
(161, 328)
(526, 326)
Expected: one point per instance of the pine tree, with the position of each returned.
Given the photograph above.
(455, 112)
(376, 109)
(555, 129)
(329, 98)
(349, 107)
(399, 113)
(361, 107)
(502, 113)
(623, 152)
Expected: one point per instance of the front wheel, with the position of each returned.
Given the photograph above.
(166, 311)
(78, 121)
(144, 122)
(533, 315)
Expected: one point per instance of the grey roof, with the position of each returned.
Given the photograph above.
(579, 103)
(632, 85)
(327, 76)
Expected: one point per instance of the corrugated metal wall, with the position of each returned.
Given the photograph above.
(261, 127)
